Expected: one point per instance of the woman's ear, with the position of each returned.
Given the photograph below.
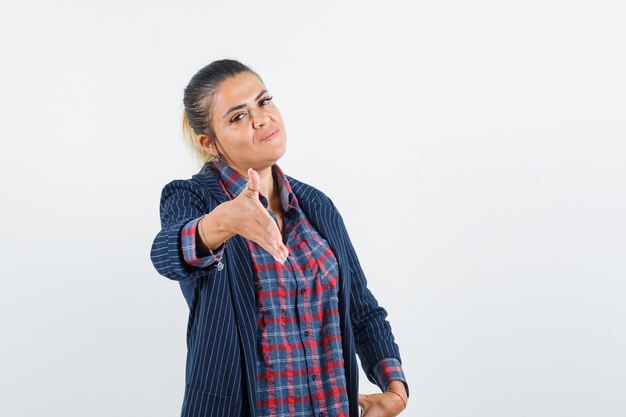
(207, 144)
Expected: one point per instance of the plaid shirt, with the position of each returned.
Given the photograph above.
(299, 356)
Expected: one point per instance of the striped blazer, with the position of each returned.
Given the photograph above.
(220, 378)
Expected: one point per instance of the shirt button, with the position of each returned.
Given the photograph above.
(306, 333)
(302, 291)
(314, 377)
(321, 414)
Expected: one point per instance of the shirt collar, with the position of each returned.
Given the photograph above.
(233, 183)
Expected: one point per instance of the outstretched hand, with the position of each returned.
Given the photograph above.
(251, 220)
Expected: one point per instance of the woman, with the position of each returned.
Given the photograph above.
(278, 302)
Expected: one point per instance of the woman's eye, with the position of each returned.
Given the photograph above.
(266, 100)
(237, 117)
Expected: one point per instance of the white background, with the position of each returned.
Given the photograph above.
(475, 149)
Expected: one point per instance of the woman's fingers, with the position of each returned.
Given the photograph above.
(264, 231)
(252, 220)
(363, 403)
(272, 240)
(254, 182)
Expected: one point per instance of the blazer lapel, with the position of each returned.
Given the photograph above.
(238, 258)
(238, 269)
(243, 295)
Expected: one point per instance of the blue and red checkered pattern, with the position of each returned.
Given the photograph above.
(387, 370)
(188, 238)
(299, 356)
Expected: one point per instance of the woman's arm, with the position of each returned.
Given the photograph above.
(374, 341)
(212, 229)
(181, 202)
(373, 338)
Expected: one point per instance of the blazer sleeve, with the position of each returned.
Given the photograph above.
(373, 338)
(181, 202)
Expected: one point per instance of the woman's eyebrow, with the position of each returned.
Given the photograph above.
(241, 106)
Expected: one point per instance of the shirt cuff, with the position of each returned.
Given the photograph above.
(387, 370)
(189, 244)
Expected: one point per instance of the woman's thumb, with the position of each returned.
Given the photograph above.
(254, 181)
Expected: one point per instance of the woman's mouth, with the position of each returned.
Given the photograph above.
(269, 135)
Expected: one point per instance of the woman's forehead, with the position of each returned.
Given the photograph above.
(240, 89)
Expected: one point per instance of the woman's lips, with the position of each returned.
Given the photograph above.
(269, 136)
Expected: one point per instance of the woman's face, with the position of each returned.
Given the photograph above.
(248, 127)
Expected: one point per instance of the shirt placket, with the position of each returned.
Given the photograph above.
(306, 325)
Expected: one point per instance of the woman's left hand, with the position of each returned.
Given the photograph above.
(386, 404)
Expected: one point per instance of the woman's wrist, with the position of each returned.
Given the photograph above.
(213, 228)
(397, 388)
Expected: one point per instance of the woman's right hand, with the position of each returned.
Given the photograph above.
(246, 216)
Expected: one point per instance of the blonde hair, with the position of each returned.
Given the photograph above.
(193, 143)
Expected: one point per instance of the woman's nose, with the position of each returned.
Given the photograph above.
(259, 118)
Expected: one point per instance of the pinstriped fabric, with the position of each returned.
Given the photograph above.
(221, 335)
(180, 202)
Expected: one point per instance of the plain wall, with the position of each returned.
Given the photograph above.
(475, 150)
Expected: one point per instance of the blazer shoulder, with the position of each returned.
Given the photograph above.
(178, 185)
(307, 192)
(198, 185)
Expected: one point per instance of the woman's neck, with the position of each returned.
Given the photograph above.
(267, 188)
(267, 183)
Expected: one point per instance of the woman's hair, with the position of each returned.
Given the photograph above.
(198, 101)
